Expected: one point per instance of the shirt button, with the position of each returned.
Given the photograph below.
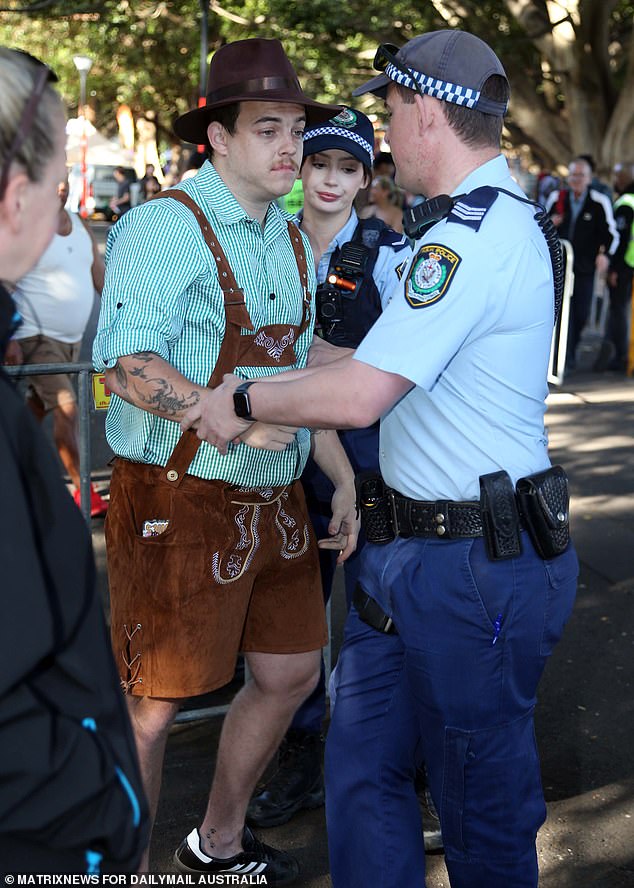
(441, 530)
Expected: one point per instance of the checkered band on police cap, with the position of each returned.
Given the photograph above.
(349, 131)
(439, 89)
(450, 65)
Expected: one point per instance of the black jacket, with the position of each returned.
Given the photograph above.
(71, 798)
(594, 228)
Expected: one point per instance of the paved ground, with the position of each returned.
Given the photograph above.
(585, 717)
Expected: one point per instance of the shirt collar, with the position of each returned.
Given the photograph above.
(346, 233)
(342, 237)
(493, 172)
(212, 189)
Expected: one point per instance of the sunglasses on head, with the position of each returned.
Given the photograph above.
(386, 55)
(43, 75)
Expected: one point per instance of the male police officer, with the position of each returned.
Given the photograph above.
(456, 615)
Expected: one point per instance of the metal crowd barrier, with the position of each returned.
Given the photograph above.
(559, 343)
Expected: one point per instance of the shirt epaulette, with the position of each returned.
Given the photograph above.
(375, 233)
(471, 209)
(394, 240)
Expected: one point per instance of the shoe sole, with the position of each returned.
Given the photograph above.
(309, 802)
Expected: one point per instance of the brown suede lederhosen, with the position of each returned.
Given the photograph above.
(221, 568)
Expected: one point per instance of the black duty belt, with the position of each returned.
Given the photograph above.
(538, 503)
(449, 520)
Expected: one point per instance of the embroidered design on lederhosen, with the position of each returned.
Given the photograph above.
(294, 535)
(294, 539)
(132, 660)
(274, 347)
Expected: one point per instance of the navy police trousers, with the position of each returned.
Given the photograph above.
(456, 687)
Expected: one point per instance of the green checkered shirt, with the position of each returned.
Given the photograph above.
(162, 295)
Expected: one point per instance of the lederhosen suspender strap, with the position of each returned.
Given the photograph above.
(236, 318)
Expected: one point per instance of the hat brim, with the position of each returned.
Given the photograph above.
(192, 126)
(377, 86)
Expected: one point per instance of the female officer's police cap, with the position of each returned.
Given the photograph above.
(449, 65)
(349, 131)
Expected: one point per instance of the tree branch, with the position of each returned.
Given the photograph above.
(231, 16)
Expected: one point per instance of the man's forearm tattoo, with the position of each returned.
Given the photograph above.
(158, 394)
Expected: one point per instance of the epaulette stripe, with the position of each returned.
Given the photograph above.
(466, 212)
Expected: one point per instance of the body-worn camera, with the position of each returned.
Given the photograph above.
(335, 297)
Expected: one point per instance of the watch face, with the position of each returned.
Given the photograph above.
(241, 405)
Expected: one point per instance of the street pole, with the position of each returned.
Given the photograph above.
(83, 65)
(204, 49)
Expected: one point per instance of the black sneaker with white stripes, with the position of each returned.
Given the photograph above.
(256, 859)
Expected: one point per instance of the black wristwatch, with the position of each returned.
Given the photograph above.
(241, 402)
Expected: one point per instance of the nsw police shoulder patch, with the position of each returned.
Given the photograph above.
(430, 275)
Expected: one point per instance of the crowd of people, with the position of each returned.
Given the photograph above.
(291, 393)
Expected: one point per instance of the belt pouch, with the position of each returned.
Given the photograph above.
(371, 613)
(375, 505)
(500, 518)
(544, 503)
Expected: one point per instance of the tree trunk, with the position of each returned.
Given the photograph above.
(618, 143)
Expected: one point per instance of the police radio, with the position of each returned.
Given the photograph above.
(417, 219)
(340, 288)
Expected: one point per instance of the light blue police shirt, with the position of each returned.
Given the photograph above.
(388, 259)
(471, 327)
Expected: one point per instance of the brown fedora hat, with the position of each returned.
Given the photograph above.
(246, 71)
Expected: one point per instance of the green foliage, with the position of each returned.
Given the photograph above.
(147, 52)
(144, 53)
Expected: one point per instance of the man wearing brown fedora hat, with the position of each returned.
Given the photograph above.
(468, 575)
(210, 554)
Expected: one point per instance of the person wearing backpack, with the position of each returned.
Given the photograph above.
(358, 262)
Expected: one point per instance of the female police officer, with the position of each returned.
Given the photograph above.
(358, 264)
